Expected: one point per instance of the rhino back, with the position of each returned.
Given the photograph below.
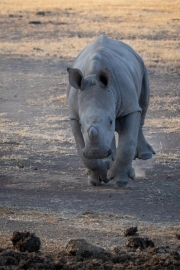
(110, 49)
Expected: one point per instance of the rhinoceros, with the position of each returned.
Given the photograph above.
(108, 91)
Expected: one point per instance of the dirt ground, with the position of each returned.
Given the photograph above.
(43, 184)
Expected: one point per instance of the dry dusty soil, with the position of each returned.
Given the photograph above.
(43, 185)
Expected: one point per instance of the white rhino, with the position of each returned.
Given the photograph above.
(108, 91)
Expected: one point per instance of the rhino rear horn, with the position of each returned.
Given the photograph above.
(104, 78)
(76, 78)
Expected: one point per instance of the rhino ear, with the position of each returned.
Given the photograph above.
(104, 78)
(76, 78)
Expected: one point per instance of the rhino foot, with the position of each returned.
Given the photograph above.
(145, 151)
(93, 178)
(102, 172)
(122, 177)
(131, 173)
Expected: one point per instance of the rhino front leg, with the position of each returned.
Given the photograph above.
(121, 168)
(97, 169)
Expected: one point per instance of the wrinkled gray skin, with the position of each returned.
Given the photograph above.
(108, 91)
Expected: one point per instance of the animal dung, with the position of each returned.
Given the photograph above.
(26, 241)
(139, 243)
(130, 231)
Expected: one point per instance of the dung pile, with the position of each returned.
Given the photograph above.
(26, 241)
(80, 254)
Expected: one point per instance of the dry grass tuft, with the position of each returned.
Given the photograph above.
(165, 124)
(62, 99)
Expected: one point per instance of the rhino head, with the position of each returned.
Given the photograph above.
(96, 108)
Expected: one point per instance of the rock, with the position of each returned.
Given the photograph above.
(83, 248)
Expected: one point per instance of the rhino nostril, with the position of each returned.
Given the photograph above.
(93, 132)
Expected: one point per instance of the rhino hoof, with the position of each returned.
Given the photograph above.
(121, 183)
(93, 178)
(131, 173)
(122, 179)
(145, 151)
(145, 155)
(93, 183)
(105, 181)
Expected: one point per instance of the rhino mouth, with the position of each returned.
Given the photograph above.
(94, 153)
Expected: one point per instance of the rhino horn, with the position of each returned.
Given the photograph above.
(93, 132)
(76, 79)
(104, 78)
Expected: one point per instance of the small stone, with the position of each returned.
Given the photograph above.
(34, 22)
(41, 13)
(21, 166)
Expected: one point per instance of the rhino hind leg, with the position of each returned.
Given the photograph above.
(144, 150)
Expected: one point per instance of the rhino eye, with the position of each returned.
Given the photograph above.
(111, 122)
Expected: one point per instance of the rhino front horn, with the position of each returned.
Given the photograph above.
(93, 132)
